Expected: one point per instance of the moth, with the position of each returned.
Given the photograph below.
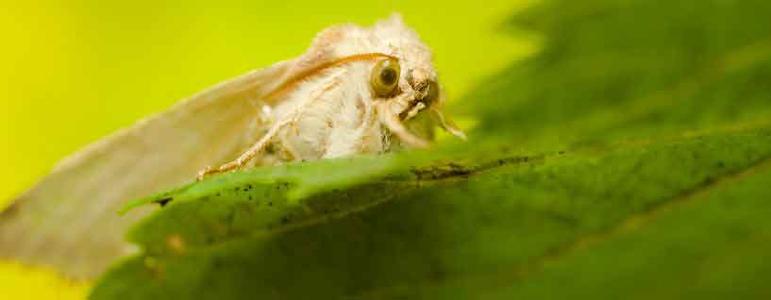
(356, 90)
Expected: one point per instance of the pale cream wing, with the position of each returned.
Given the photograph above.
(69, 219)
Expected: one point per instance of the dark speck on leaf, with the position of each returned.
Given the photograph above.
(164, 201)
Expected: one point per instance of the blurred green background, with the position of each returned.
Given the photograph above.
(74, 71)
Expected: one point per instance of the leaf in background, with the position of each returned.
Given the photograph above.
(631, 157)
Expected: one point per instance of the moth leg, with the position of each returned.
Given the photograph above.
(447, 125)
(263, 142)
(251, 153)
(260, 145)
(392, 122)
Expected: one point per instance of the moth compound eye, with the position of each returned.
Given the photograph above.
(385, 77)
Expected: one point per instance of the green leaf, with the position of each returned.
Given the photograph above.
(631, 157)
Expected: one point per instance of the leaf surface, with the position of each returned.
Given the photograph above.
(631, 157)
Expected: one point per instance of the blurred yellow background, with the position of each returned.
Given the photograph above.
(74, 71)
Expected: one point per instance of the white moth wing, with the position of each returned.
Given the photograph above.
(69, 219)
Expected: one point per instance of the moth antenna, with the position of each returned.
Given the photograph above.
(392, 122)
(447, 125)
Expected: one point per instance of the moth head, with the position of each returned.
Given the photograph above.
(404, 82)
(398, 63)
(391, 60)
(416, 87)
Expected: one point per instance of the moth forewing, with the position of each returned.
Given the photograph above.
(68, 220)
